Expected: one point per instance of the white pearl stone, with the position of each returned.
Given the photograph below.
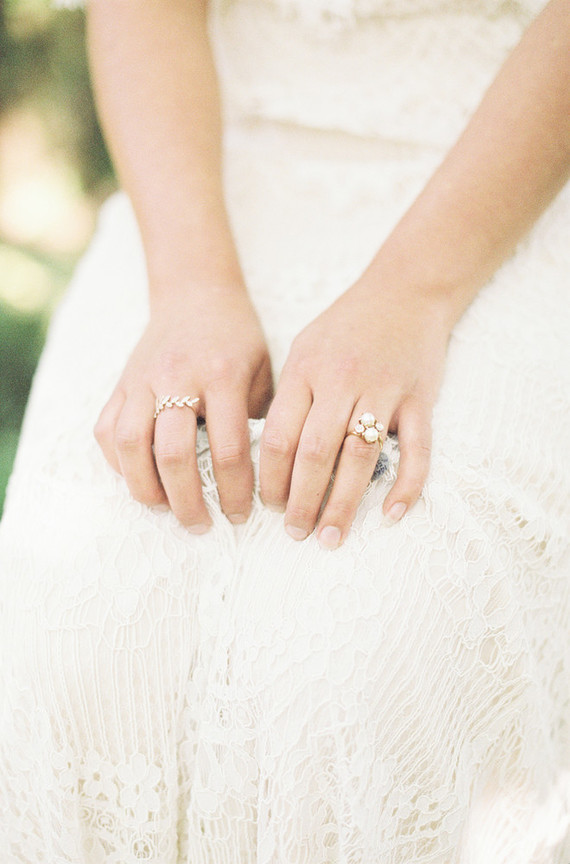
(368, 419)
(379, 426)
(371, 435)
(359, 428)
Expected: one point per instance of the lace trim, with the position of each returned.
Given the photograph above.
(330, 15)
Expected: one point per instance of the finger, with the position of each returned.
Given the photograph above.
(319, 445)
(355, 468)
(414, 439)
(228, 434)
(133, 447)
(175, 454)
(279, 440)
(104, 429)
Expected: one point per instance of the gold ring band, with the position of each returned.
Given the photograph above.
(163, 402)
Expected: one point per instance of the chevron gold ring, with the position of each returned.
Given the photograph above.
(368, 428)
(163, 402)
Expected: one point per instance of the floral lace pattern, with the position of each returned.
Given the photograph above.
(239, 697)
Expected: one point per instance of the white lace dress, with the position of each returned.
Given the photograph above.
(239, 697)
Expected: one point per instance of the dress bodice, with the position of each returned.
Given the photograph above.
(401, 70)
(340, 12)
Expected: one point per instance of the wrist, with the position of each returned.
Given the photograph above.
(435, 265)
(187, 291)
(183, 266)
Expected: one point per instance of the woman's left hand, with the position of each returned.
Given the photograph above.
(374, 350)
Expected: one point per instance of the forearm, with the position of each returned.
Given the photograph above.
(512, 159)
(157, 94)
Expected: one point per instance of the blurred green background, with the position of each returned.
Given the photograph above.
(54, 173)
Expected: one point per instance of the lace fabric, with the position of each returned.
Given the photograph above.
(242, 697)
(413, 78)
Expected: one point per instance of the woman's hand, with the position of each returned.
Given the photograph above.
(381, 346)
(371, 351)
(213, 349)
(156, 86)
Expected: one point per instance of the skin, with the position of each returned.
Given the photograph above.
(203, 337)
(381, 346)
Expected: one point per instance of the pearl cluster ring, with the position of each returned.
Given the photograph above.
(368, 428)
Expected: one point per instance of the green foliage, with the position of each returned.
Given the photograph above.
(21, 340)
(43, 67)
(8, 446)
(46, 66)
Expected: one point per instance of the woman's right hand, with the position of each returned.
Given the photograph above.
(159, 105)
(212, 348)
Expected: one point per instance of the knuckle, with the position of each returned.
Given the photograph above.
(171, 453)
(315, 449)
(420, 447)
(424, 448)
(299, 515)
(340, 513)
(230, 455)
(347, 366)
(172, 361)
(361, 450)
(221, 370)
(276, 444)
(128, 440)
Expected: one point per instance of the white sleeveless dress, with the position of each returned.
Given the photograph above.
(240, 698)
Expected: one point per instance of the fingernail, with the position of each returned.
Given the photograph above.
(237, 518)
(395, 513)
(296, 533)
(329, 537)
(198, 529)
(276, 508)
